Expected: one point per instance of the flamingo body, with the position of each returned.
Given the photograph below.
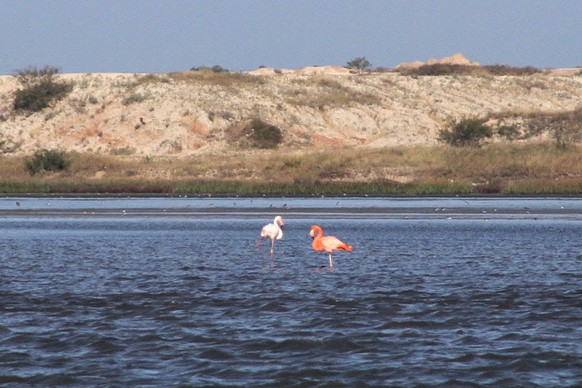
(329, 244)
(274, 231)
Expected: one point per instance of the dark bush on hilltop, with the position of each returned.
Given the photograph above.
(39, 88)
(46, 160)
(438, 69)
(442, 69)
(32, 75)
(214, 69)
(467, 132)
(510, 70)
(361, 64)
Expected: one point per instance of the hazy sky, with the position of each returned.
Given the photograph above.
(95, 36)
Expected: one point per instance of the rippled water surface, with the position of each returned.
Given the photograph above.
(125, 292)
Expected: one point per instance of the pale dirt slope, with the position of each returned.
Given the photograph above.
(314, 107)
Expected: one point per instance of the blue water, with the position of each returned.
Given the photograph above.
(157, 292)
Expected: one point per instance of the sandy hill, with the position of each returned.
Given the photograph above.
(455, 59)
(191, 113)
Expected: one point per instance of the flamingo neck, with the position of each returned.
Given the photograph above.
(318, 232)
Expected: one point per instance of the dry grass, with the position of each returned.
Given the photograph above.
(419, 170)
(13, 167)
(496, 167)
(209, 77)
(326, 93)
(198, 77)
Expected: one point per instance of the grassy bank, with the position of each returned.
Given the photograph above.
(497, 169)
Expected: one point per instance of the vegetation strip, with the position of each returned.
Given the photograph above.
(494, 169)
(511, 152)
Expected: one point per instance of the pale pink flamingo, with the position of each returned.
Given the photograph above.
(327, 243)
(274, 231)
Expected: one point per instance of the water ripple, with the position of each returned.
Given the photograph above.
(124, 302)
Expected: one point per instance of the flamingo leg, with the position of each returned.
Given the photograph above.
(330, 262)
(272, 246)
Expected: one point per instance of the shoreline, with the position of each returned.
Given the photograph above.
(130, 195)
(406, 207)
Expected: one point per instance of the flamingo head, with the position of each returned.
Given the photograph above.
(279, 221)
(315, 230)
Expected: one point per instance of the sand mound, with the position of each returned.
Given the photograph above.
(455, 59)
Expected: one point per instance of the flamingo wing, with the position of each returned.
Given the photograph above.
(331, 243)
(272, 231)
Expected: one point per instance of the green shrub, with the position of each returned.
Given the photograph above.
(264, 135)
(37, 97)
(39, 88)
(255, 133)
(466, 132)
(46, 160)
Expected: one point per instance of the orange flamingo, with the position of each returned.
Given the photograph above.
(274, 231)
(327, 243)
